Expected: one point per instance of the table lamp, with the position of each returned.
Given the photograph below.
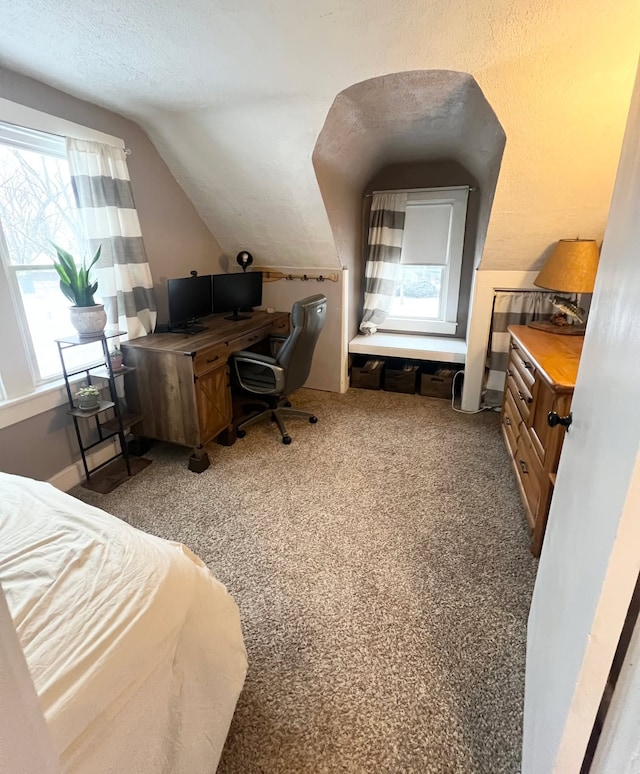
(571, 268)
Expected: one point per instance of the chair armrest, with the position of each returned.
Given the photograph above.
(248, 356)
(257, 373)
(275, 343)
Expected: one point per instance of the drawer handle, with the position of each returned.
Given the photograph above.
(507, 421)
(213, 359)
(509, 372)
(527, 365)
(523, 466)
(512, 345)
(524, 397)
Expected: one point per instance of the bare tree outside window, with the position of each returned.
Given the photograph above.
(37, 208)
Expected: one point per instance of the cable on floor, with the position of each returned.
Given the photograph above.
(462, 411)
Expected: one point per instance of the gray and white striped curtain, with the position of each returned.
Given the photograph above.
(509, 308)
(102, 189)
(386, 228)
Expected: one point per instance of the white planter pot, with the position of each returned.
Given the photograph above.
(87, 402)
(88, 320)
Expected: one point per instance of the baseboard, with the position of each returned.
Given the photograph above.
(73, 474)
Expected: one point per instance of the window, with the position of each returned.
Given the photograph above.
(428, 283)
(37, 207)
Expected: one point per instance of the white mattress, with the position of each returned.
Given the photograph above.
(135, 649)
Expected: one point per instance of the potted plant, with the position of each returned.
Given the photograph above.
(115, 356)
(87, 398)
(87, 317)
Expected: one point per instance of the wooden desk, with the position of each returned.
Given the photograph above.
(181, 384)
(541, 376)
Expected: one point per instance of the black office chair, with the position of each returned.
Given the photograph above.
(275, 378)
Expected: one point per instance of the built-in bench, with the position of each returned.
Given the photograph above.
(411, 347)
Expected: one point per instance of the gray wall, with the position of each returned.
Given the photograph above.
(427, 174)
(176, 240)
(402, 118)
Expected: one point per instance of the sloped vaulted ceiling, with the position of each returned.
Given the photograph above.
(234, 94)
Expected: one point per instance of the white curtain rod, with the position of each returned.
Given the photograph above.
(424, 190)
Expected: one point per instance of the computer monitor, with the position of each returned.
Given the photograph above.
(233, 292)
(189, 299)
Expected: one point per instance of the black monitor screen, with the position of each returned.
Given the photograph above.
(189, 298)
(233, 292)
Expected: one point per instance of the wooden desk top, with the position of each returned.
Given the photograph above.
(219, 331)
(556, 357)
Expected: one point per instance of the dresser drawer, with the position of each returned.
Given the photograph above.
(529, 472)
(209, 358)
(521, 363)
(522, 395)
(510, 421)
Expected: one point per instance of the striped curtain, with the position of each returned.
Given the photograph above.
(509, 308)
(386, 227)
(100, 180)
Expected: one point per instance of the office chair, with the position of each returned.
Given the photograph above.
(275, 378)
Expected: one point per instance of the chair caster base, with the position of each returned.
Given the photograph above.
(313, 420)
(241, 433)
(286, 439)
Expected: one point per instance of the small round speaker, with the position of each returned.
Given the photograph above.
(244, 259)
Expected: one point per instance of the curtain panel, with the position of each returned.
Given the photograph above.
(386, 228)
(102, 188)
(509, 308)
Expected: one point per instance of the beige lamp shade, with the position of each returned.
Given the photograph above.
(571, 267)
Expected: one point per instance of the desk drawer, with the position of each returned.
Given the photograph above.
(249, 339)
(209, 358)
(280, 328)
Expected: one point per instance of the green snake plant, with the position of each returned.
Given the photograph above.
(74, 281)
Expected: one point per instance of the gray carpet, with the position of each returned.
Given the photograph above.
(382, 571)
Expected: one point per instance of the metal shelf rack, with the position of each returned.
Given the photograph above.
(110, 428)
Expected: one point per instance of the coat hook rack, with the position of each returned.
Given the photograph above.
(272, 275)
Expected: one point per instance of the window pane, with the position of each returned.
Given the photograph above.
(47, 313)
(36, 206)
(418, 292)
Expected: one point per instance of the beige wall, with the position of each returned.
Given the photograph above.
(176, 240)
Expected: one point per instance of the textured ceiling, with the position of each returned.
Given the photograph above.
(235, 92)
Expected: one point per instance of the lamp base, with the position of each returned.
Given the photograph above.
(561, 330)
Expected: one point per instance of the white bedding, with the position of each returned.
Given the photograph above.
(135, 649)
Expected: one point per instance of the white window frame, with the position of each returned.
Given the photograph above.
(21, 396)
(455, 197)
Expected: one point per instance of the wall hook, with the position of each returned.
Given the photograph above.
(289, 277)
(320, 278)
(304, 277)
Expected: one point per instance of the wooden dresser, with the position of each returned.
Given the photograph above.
(541, 376)
(182, 382)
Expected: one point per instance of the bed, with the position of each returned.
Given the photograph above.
(134, 648)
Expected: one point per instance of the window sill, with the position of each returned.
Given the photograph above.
(418, 327)
(44, 398)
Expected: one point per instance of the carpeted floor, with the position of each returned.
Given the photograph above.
(382, 571)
